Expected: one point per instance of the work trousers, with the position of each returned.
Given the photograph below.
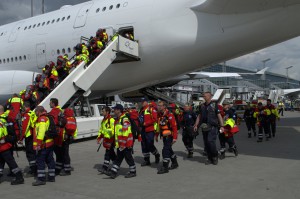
(121, 154)
(187, 139)
(63, 160)
(30, 153)
(109, 155)
(273, 126)
(6, 157)
(223, 140)
(148, 144)
(264, 127)
(250, 123)
(167, 151)
(45, 156)
(209, 139)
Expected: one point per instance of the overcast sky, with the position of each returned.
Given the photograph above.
(281, 55)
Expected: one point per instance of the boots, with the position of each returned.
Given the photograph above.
(249, 134)
(57, 171)
(164, 169)
(18, 180)
(65, 173)
(130, 175)
(157, 158)
(38, 183)
(174, 164)
(222, 155)
(235, 151)
(111, 174)
(190, 154)
(254, 133)
(103, 170)
(146, 162)
(214, 160)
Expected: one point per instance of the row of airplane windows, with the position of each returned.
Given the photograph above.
(63, 18)
(21, 58)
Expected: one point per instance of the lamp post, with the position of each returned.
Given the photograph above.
(287, 74)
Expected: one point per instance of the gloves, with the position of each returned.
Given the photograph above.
(2, 141)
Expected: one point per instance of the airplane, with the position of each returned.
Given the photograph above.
(176, 37)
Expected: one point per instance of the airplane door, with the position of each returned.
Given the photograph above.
(41, 55)
(82, 15)
(15, 32)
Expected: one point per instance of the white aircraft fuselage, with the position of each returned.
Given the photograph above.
(175, 36)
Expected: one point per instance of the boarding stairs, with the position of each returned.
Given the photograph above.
(80, 80)
(161, 96)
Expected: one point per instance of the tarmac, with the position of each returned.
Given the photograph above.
(264, 170)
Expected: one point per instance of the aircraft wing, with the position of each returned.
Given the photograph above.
(211, 74)
(239, 6)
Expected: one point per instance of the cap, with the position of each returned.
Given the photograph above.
(259, 103)
(119, 107)
(144, 99)
(226, 102)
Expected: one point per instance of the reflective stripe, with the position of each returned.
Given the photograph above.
(51, 174)
(116, 167)
(106, 162)
(41, 175)
(130, 138)
(32, 162)
(58, 167)
(155, 152)
(173, 156)
(59, 163)
(114, 170)
(166, 160)
(146, 154)
(16, 170)
(67, 165)
(51, 170)
(41, 171)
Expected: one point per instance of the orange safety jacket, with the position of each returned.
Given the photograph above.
(150, 119)
(167, 125)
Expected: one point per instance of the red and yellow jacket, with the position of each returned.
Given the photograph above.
(106, 132)
(39, 136)
(123, 134)
(167, 125)
(150, 119)
(4, 146)
(27, 129)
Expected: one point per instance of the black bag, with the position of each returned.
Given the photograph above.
(52, 131)
(62, 121)
(134, 127)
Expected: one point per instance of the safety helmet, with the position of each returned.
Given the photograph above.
(99, 32)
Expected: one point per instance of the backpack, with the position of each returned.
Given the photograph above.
(71, 125)
(62, 121)
(134, 127)
(52, 131)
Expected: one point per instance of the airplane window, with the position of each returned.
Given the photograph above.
(34, 26)
(20, 58)
(39, 25)
(69, 50)
(87, 10)
(29, 27)
(48, 22)
(12, 59)
(118, 6)
(19, 28)
(53, 21)
(0, 61)
(58, 20)
(24, 57)
(25, 28)
(104, 9)
(4, 61)
(58, 51)
(63, 51)
(68, 17)
(7, 60)
(98, 9)
(1, 34)
(16, 58)
(43, 23)
(63, 18)
(111, 7)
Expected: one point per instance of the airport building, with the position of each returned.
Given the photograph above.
(247, 87)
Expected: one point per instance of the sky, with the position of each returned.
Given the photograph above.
(282, 55)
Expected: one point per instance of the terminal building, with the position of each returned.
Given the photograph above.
(247, 87)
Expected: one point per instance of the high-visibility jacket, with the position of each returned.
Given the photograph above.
(85, 50)
(230, 127)
(115, 37)
(39, 135)
(15, 105)
(274, 111)
(123, 134)
(54, 74)
(167, 125)
(100, 44)
(27, 129)
(82, 57)
(106, 131)
(4, 146)
(149, 116)
(105, 37)
(280, 105)
(262, 115)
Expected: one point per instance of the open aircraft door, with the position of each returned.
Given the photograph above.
(41, 55)
(82, 15)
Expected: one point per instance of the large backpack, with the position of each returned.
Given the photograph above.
(52, 131)
(134, 127)
(62, 121)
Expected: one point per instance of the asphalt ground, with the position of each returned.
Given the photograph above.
(270, 169)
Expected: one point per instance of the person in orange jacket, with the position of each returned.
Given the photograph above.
(148, 117)
(168, 130)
